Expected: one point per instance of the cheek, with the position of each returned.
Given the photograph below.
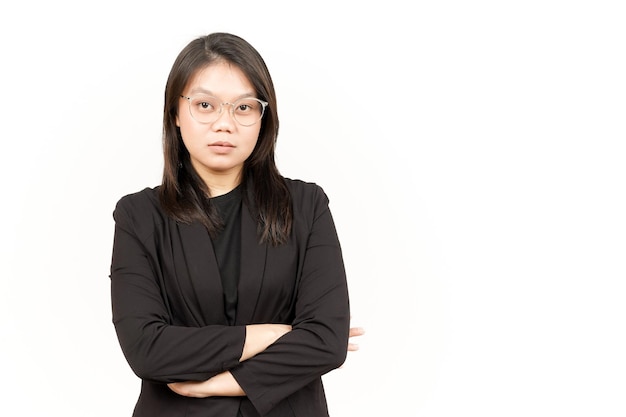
(188, 139)
(184, 121)
(252, 141)
(188, 129)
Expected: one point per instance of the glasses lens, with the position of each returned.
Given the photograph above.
(204, 109)
(248, 111)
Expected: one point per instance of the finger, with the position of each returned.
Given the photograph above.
(356, 331)
(352, 347)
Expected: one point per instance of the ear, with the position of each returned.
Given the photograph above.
(177, 122)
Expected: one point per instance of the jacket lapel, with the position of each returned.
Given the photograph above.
(253, 256)
(203, 282)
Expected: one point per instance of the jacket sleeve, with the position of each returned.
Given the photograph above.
(155, 349)
(318, 342)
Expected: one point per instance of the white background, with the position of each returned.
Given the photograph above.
(473, 153)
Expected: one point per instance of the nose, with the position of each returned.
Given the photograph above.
(225, 120)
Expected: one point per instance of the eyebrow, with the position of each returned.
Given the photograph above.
(209, 92)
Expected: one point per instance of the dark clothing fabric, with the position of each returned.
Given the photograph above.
(227, 247)
(168, 308)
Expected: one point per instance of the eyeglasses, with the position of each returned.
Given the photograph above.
(207, 109)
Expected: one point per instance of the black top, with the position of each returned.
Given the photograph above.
(227, 247)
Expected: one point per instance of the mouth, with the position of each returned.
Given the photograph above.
(222, 144)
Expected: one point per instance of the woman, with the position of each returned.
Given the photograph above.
(228, 287)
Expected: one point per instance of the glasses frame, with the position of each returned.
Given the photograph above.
(264, 104)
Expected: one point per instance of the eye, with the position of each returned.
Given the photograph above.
(247, 106)
(204, 104)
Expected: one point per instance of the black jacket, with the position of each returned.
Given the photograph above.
(168, 310)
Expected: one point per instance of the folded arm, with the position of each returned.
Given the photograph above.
(225, 384)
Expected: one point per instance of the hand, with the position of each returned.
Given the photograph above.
(260, 336)
(223, 384)
(354, 332)
(189, 388)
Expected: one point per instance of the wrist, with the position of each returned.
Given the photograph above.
(223, 384)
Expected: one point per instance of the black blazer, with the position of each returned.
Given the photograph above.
(168, 310)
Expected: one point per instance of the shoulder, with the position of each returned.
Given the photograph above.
(139, 210)
(145, 199)
(307, 196)
(299, 188)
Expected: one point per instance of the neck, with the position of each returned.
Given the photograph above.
(219, 184)
(217, 190)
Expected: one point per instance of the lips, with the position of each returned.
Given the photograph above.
(222, 144)
(221, 148)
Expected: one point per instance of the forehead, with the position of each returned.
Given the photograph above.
(220, 78)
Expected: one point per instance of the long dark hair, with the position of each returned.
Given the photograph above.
(183, 193)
